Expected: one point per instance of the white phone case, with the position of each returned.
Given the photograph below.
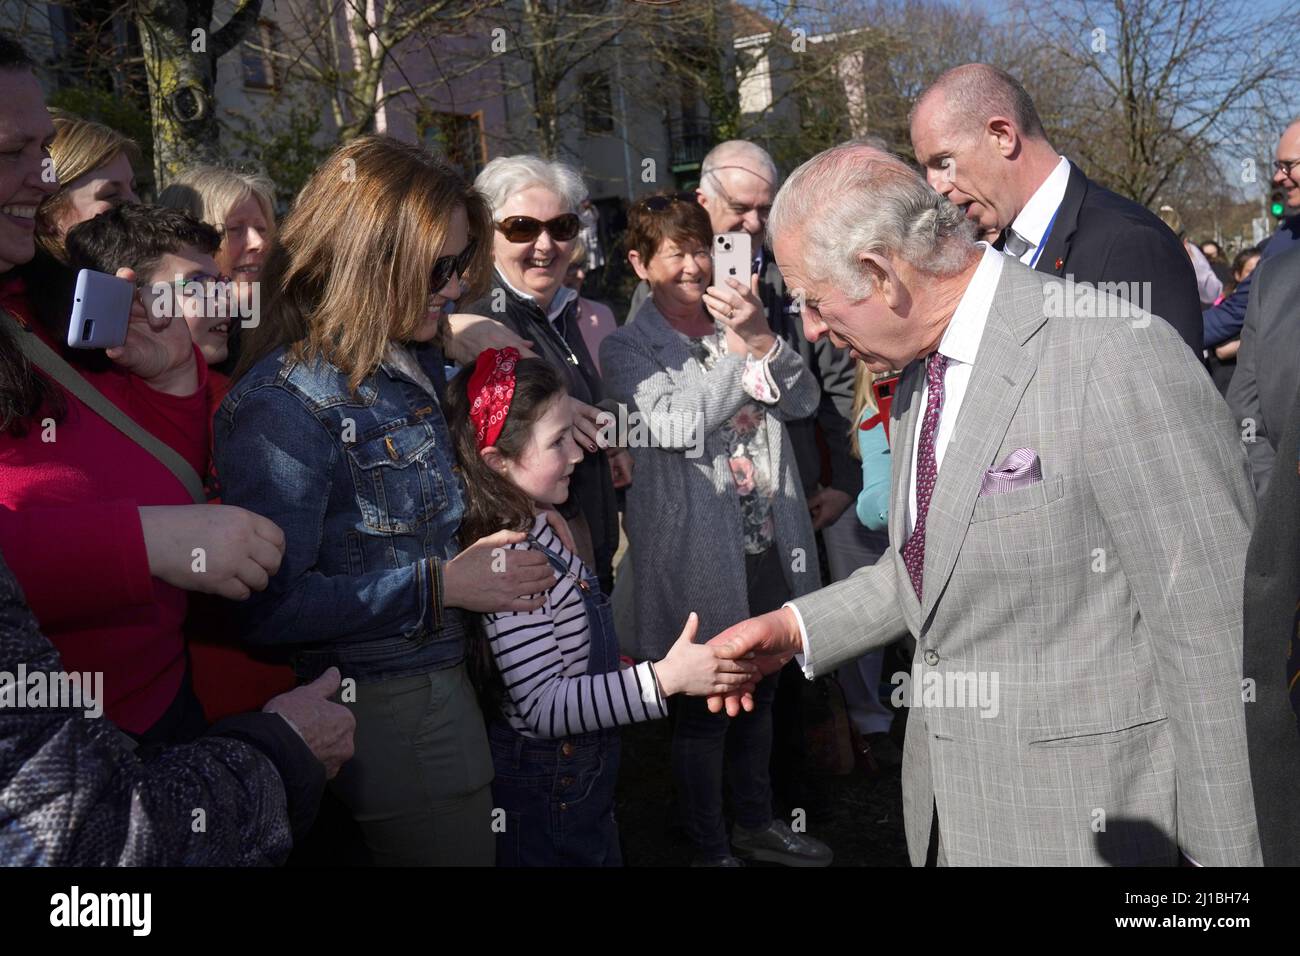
(732, 258)
(101, 311)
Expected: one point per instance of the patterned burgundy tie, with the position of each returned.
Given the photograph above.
(926, 469)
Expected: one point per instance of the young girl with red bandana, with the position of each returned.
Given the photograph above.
(564, 695)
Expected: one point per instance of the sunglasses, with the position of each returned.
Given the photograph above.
(660, 203)
(526, 228)
(444, 267)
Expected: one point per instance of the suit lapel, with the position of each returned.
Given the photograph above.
(906, 408)
(1004, 366)
(1057, 248)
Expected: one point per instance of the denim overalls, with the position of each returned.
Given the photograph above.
(558, 794)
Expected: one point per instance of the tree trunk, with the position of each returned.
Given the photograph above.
(180, 53)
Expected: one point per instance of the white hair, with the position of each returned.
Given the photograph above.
(507, 176)
(736, 152)
(854, 198)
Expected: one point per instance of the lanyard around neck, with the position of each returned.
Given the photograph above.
(1033, 263)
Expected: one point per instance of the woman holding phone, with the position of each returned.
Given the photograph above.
(716, 519)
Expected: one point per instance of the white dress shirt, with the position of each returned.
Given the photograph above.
(960, 342)
(1031, 225)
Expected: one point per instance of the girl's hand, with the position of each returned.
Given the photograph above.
(741, 310)
(695, 669)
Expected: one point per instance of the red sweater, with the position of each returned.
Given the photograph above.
(70, 531)
(229, 677)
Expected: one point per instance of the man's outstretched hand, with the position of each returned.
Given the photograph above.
(770, 639)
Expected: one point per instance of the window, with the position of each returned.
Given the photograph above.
(455, 137)
(259, 71)
(597, 103)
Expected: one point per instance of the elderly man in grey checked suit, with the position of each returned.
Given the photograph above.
(1068, 527)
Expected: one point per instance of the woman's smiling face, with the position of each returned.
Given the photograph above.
(536, 267)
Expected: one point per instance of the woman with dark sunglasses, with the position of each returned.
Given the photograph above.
(334, 430)
(534, 206)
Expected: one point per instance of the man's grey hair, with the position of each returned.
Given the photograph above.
(855, 198)
(507, 176)
(732, 153)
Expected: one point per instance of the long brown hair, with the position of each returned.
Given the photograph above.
(492, 502)
(349, 270)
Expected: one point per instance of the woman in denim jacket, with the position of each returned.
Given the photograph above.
(333, 429)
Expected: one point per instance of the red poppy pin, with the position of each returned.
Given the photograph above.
(1059, 263)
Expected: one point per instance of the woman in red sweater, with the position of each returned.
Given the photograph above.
(99, 533)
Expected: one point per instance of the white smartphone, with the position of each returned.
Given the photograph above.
(732, 258)
(101, 310)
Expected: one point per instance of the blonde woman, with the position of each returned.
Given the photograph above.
(870, 445)
(333, 428)
(242, 208)
(95, 168)
(93, 164)
(860, 541)
(240, 205)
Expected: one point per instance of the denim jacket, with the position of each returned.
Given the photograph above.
(365, 488)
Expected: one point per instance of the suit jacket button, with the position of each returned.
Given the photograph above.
(931, 657)
(566, 748)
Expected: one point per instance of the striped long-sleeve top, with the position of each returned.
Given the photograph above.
(542, 656)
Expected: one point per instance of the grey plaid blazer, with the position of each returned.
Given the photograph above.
(1106, 599)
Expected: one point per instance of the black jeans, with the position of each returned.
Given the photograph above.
(707, 745)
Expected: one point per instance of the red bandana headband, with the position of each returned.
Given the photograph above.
(491, 387)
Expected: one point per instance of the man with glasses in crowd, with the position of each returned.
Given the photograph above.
(1224, 321)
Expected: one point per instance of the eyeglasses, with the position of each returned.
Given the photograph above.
(1284, 166)
(210, 283)
(444, 267)
(739, 208)
(526, 228)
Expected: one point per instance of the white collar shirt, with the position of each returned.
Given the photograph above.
(961, 343)
(1032, 223)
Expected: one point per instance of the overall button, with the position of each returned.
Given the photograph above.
(931, 657)
(566, 748)
(564, 806)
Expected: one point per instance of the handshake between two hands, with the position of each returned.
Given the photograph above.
(728, 668)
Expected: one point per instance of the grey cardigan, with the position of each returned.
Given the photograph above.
(682, 515)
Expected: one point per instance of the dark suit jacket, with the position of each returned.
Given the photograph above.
(1264, 386)
(1271, 589)
(834, 370)
(1099, 236)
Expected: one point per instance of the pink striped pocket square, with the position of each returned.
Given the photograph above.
(1020, 469)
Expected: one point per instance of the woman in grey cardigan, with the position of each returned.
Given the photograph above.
(716, 519)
